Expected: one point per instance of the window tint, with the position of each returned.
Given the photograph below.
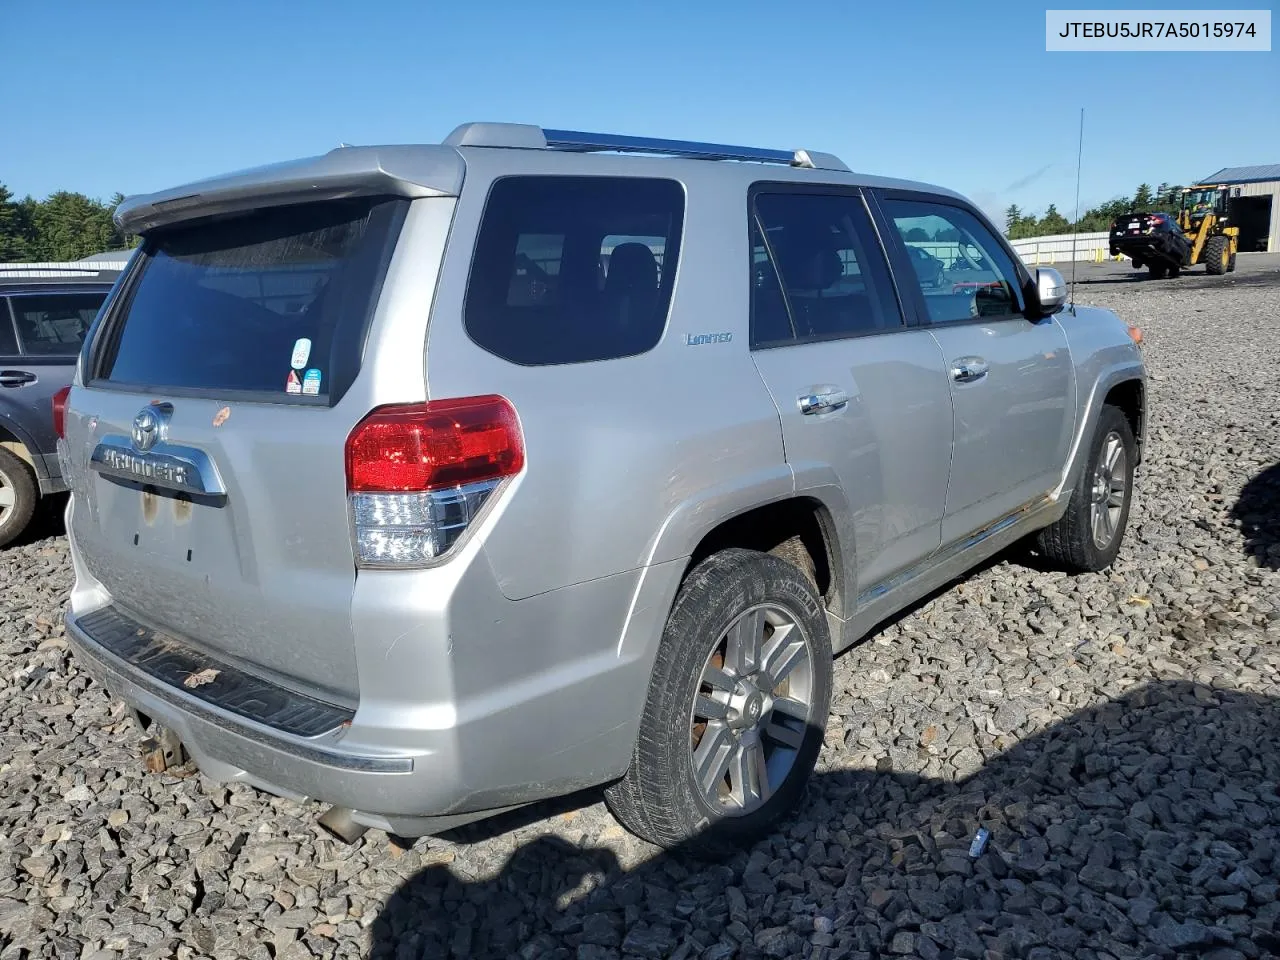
(54, 324)
(961, 269)
(573, 269)
(819, 272)
(273, 302)
(8, 344)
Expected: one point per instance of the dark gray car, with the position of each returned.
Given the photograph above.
(42, 324)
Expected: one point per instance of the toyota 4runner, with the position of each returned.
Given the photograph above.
(431, 481)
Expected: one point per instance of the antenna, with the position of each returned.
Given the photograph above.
(1075, 227)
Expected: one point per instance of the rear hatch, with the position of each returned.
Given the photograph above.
(209, 493)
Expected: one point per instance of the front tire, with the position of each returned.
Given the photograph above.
(1157, 271)
(18, 496)
(737, 704)
(1217, 255)
(1086, 539)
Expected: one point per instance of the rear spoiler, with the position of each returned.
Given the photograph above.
(402, 171)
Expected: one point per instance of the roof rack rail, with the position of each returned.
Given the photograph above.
(529, 136)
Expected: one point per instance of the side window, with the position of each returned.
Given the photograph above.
(54, 325)
(961, 269)
(574, 269)
(8, 343)
(818, 272)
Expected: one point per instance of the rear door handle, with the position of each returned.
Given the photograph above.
(822, 402)
(968, 369)
(16, 378)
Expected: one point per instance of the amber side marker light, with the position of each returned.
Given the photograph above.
(1135, 334)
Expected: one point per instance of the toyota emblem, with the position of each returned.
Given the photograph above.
(147, 426)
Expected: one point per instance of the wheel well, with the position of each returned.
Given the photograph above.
(10, 442)
(797, 530)
(1128, 397)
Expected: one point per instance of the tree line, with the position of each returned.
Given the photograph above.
(63, 226)
(1164, 198)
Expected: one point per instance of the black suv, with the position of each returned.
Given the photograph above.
(43, 319)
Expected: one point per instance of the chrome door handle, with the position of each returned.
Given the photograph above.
(822, 402)
(16, 378)
(968, 369)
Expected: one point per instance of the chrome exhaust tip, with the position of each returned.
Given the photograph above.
(338, 823)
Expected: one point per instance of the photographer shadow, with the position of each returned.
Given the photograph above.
(1145, 826)
(1258, 510)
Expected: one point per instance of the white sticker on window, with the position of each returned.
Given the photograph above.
(301, 353)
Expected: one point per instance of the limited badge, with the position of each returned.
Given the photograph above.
(301, 353)
(311, 382)
(293, 384)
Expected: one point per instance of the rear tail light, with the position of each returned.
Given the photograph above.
(60, 412)
(418, 474)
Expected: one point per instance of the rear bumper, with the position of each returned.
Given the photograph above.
(415, 768)
(1147, 248)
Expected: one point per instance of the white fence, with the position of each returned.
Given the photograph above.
(88, 267)
(1034, 251)
(1058, 249)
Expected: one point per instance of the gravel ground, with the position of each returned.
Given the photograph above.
(1115, 734)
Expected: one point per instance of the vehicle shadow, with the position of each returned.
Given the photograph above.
(1258, 510)
(47, 521)
(1145, 826)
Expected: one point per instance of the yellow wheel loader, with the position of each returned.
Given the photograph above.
(1204, 221)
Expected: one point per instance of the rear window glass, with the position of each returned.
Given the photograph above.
(54, 324)
(573, 269)
(271, 303)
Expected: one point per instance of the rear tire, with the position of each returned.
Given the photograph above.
(1087, 537)
(1173, 272)
(18, 496)
(1157, 271)
(728, 737)
(1217, 255)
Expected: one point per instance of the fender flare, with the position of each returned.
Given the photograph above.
(689, 523)
(1109, 377)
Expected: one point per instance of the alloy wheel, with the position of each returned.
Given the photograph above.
(1110, 487)
(753, 709)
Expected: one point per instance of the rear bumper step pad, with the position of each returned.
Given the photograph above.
(216, 682)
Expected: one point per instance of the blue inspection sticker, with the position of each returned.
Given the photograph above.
(311, 382)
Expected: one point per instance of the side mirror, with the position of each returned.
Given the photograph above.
(1051, 291)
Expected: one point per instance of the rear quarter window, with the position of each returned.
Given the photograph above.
(274, 303)
(574, 269)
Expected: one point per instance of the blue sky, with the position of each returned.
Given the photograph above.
(134, 96)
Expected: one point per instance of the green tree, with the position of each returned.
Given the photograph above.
(1012, 217)
(119, 240)
(1053, 222)
(14, 229)
(70, 226)
(1144, 199)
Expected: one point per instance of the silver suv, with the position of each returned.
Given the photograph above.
(431, 481)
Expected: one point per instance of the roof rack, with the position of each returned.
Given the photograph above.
(527, 136)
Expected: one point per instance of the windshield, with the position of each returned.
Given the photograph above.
(1197, 202)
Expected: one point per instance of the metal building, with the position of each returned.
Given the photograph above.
(1254, 204)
